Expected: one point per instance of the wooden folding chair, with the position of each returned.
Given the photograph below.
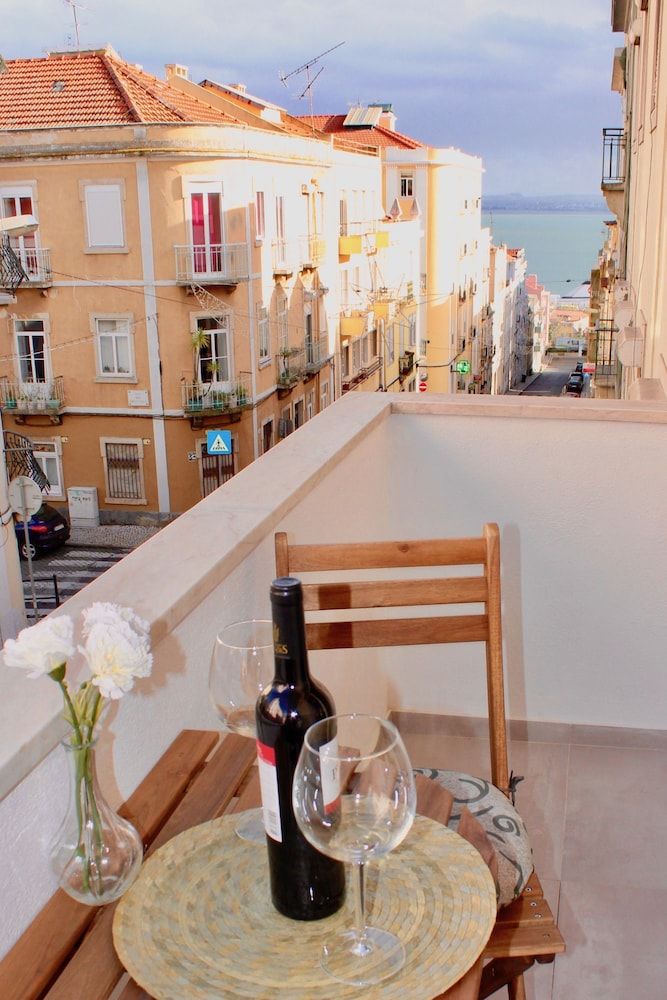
(525, 930)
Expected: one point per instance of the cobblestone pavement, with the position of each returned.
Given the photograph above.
(125, 536)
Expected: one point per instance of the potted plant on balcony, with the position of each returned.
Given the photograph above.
(10, 399)
(53, 403)
(22, 402)
(241, 394)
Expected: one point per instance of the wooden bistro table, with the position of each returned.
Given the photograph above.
(67, 953)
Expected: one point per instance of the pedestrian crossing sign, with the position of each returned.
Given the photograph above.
(219, 442)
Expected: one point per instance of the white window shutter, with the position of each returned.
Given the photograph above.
(104, 211)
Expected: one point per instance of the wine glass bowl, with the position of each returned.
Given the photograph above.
(354, 800)
(241, 667)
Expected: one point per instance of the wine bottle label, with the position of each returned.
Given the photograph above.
(330, 774)
(268, 783)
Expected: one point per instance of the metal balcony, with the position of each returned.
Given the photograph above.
(36, 264)
(312, 251)
(212, 263)
(613, 158)
(216, 399)
(29, 399)
(11, 271)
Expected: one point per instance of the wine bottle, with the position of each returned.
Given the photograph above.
(305, 885)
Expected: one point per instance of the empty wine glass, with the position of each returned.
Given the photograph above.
(241, 667)
(354, 799)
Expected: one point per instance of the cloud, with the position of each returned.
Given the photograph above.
(523, 81)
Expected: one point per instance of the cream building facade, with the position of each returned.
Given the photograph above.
(632, 326)
(185, 276)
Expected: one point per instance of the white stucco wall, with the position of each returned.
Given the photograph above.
(577, 488)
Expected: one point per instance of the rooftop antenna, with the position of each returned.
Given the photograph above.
(306, 68)
(74, 7)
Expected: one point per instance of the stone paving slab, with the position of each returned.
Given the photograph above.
(112, 535)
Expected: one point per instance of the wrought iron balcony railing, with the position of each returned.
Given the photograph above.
(36, 264)
(212, 263)
(11, 271)
(613, 156)
(209, 398)
(30, 398)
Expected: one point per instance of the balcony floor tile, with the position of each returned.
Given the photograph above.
(615, 942)
(613, 796)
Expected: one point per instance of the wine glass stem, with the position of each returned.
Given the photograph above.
(361, 946)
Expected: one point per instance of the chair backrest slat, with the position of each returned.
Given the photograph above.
(394, 593)
(338, 597)
(387, 555)
(396, 632)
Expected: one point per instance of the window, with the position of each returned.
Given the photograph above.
(343, 214)
(283, 325)
(114, 348)
(356, 354)
(298, 413)
(104, 216)
(344, 291)
(391, 336)
(280, 218)
(213, 362)
(310, 405)
(345, 361)
(412, 330)
(215, 469)
(206, 225)
(19, 201)
(324, 396)
(31, 349)
(263, 334)
(407, 186)
(47, 454)
(123, 470)
(267, 436)
(260, 223)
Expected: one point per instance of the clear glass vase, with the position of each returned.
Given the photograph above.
(96, 854)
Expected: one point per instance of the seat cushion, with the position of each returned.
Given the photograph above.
(499, 820)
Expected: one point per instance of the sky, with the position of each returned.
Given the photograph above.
(525, 84)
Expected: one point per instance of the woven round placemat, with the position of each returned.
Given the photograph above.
(198, 924)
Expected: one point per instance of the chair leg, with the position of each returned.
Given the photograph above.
(505, 972)
(517, 989)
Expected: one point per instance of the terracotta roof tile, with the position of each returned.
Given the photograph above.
(92, 88)
(373, 136)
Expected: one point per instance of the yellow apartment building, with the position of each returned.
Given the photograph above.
(441, 190)
(632, 331)
(185, 276)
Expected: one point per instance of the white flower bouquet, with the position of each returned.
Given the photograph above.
(97, 853)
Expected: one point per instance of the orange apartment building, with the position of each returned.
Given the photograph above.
(189, 272)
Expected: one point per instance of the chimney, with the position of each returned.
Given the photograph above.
(175, 69)
(241, 87)
(387, 118)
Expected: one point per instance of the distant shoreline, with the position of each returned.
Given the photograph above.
(520, 209)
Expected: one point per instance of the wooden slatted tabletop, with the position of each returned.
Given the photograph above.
(67, 952)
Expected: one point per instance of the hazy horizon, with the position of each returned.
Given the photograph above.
(471, 75)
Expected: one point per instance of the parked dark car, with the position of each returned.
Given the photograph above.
(579, 368)
(47, 529)
(574, 386)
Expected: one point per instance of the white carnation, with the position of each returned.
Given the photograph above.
(42, 647)
(105, 613)
(116, 654)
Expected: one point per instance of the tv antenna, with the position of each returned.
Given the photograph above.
(74, 7)
(306, 68)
